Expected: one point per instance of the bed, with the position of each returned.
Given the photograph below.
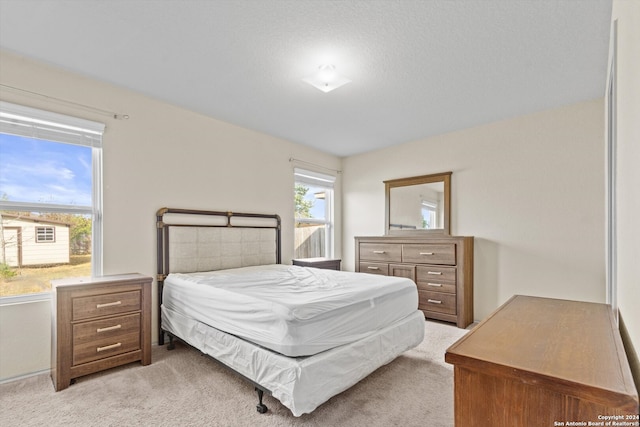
(300, 334)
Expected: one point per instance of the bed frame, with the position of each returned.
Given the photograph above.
(194, 240)
(191, 240)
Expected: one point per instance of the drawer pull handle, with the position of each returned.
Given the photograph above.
(426, 253)
(434, 301)
(437, 285)
(110, 328)
(435, 273)
(373, 268)
(108, 304)
(109, 347)
(378, 252)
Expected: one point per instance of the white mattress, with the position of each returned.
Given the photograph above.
(296, 311)
(301, 383)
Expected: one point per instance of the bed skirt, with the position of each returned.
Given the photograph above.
(300, 383)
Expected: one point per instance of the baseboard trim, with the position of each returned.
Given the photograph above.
(22, 377)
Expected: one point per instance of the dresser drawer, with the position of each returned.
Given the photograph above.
(437, 301)
(432, 276)
(374, 268)
(381, 252)
(434, 286)
(429, 253)
(105, 305)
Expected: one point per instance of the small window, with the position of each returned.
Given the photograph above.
(45, 234)
(313, 195)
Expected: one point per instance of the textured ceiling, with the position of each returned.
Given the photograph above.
(418, 68)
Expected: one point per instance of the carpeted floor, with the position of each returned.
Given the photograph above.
(184, 388)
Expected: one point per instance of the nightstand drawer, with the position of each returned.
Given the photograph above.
(105, 305)
(107, 329)
(437, 301)
(105, 347)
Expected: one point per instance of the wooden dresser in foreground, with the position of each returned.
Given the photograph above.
(99, 323)
(543, 362)
(442, 267)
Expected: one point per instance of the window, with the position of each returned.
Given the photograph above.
(50, 198)
(313, 195)
(45, 234)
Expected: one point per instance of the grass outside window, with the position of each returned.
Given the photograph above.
(28, 280)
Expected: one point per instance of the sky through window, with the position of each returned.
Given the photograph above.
(39, 171)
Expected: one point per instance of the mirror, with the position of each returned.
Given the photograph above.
(420, 204)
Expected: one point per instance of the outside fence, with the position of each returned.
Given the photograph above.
(309, 241)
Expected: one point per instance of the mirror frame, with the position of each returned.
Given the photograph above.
(444, 177)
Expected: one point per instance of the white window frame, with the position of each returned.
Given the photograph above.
(45, 234)
(327, 182)
(49, 126)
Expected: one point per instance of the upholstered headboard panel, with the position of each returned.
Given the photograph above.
(206, 248)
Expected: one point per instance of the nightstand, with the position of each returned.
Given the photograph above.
(326, 263)
(99, 323)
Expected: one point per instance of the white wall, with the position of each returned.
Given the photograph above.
(25, 338)
(530, 189)
(628, 173)
(162, 156)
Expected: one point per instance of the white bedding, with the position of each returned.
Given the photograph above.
(292, 310)
(301, 383)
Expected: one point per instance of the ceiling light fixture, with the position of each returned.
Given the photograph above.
(326, 79)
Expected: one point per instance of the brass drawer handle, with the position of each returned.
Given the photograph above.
(108, 347)
(378, 252)
(438, 285)
(373, 268)
(110, 328)
(435, 273)
(434, 301)
(108, 304)
(426, 253)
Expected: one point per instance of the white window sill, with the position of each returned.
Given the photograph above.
(26, 298)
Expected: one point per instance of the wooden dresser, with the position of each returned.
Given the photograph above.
(543, 362)
(99, 323)
(441, 267)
